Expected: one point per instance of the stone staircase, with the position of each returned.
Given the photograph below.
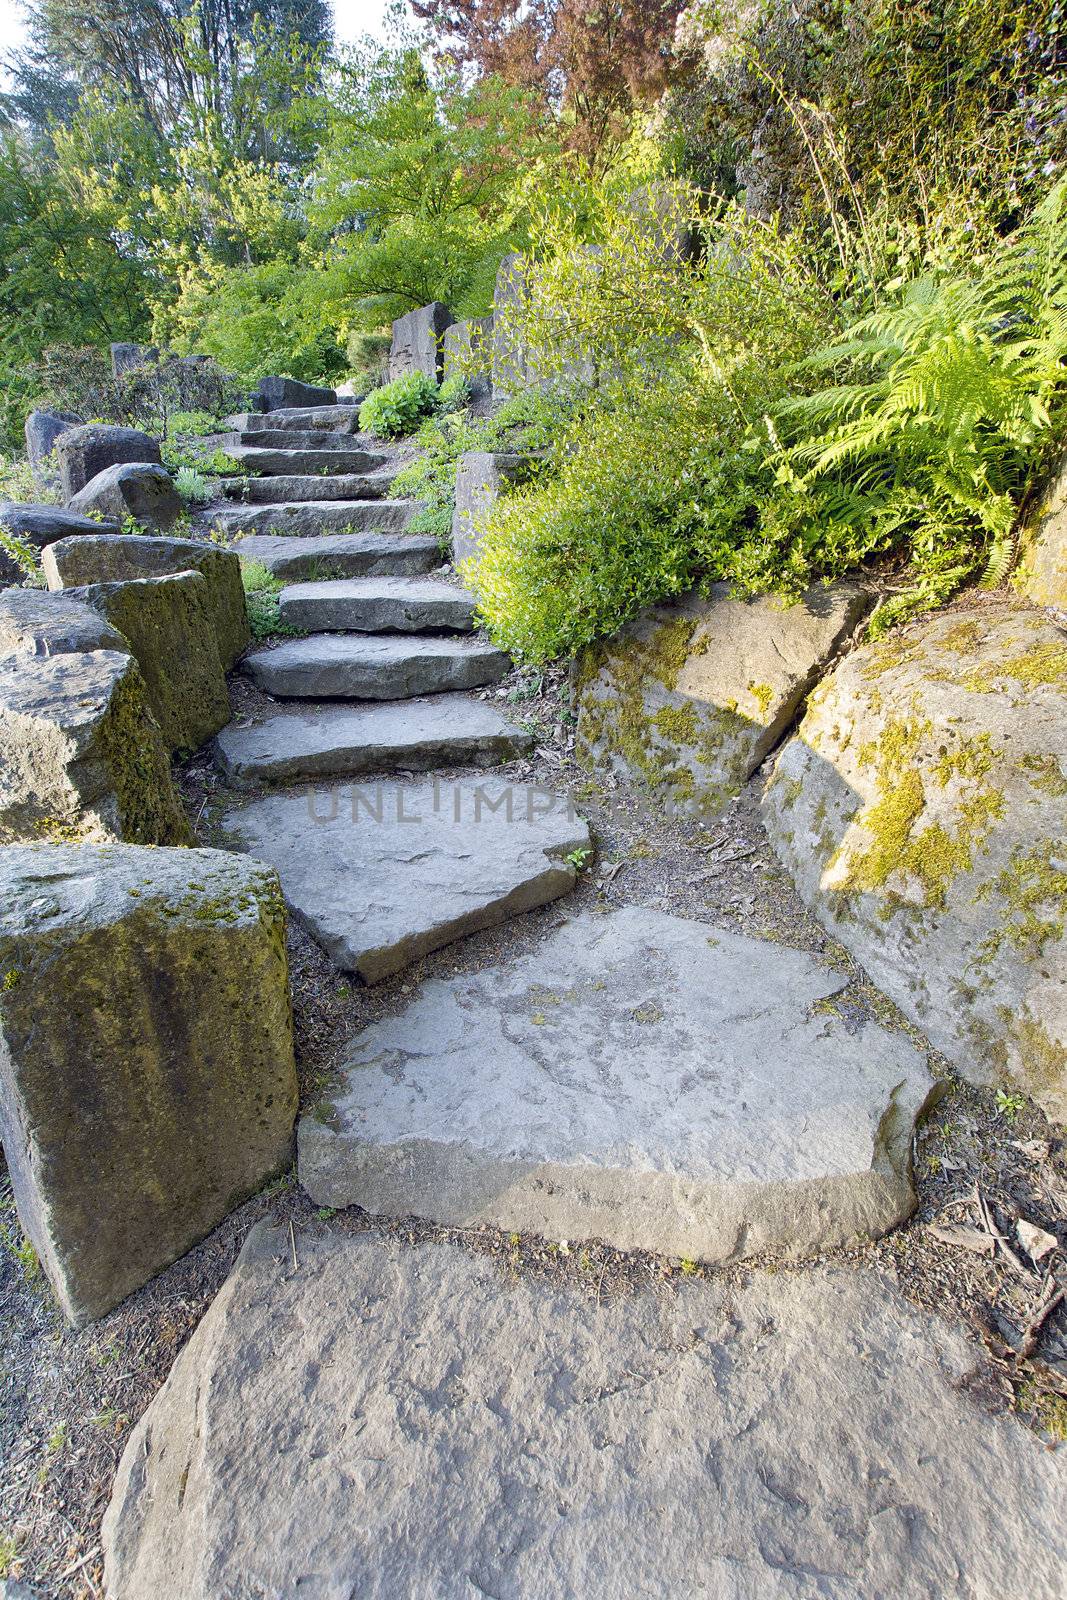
(375, 687)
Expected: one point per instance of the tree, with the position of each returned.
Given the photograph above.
(594, 62)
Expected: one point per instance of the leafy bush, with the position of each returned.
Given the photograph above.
(26, 557)
(396, 408)
(215, 463)
(81, 381)
(191, 424)
(262, 589)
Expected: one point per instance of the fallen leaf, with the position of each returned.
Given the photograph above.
(1035, 1241)
(968, 1238)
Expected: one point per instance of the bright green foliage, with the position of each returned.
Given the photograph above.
(262, 589)
(191, 424)
(192, 486)
(255, 320)
(397, 408)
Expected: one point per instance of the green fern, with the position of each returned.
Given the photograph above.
(941, 409)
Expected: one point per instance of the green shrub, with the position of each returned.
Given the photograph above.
(191, 424)
(192, 486)
(397, 408)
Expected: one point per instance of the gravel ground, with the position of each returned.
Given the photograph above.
(988, 1168)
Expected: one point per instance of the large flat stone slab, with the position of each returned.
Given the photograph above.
(302, 419)
(383, 873)
(413, 1423)
(630, 1082)
(342, 555)
(310, 517)
(345, 486)
(295, 439)
(40, 526)
(295, 463)
(331, 666)
(340, 741)
(378, 605)
(147, 1079)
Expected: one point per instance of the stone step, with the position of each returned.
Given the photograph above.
(341, 555)
(333, 666)
(628, 1081)
(293, 439)
(294, 463)
(377, 605)
(545, 1434)
(315, 516)
(275, 491)
(447, 730)
(383, 873)
(326, 419)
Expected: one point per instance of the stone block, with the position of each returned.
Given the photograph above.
(34, 623)
(418, 342)
(147, 1080)
(468, 353)
(99, 559)
(920, 811)
(686, 702)
(170, 626)
(40, 526)
(42, 430)
(81, 755)
(278, 394)
(481, 477)
(143, 491)
(83, 452)
(1042, 571)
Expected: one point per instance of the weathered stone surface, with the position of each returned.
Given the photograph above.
(339, 741)
(1042, 574)
(364, 667)
(688, 700)
(377, 605)
(352, 555)
(278, 394)
(786, 1437)
(147, 1080)
(468, 353)
(170, 626)
(40, 526)
(326, 419)
(82, 453)
(344, 486)
(42, 430)
(290, 463)
(418, 342)
(312, 518)
(319, 439)
(108, 560)
(629, 1082)
(33, 623)
(509, 351)
(481, 477)
(920, 810)
(131, 357)
(81, 755)
(383, 873)
(142, 491)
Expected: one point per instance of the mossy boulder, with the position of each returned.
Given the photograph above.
(81, 755)
(1042, 570)
(170, 626)
(688, 700)
(102, 559)
(147, 1080)
(921, 811)
(136, 489)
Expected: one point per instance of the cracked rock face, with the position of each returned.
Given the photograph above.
(921, 811)
(389, 1421)
(641, 1079)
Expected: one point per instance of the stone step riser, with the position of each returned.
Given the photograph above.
(356, 607)
(444, 732)
(276, 491)
(347, 667)
(296, 463)
(292, 439)
(342, 555)
(313, 517)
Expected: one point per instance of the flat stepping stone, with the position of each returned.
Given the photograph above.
(641, 1079)
(293, 439)
(340, 741)
(295, 462)
(312, 517)
(324, 419)
(274, 491)
(330, 666)
(400, 1422)
(383, 873)
(341, 555)
(377, 605)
